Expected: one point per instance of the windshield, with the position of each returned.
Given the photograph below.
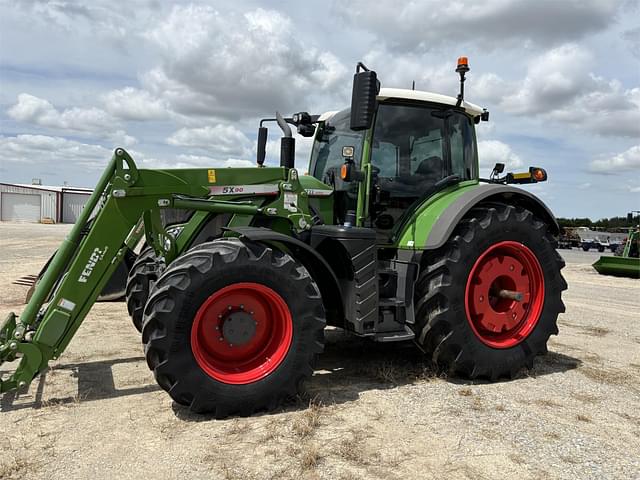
(326, 156)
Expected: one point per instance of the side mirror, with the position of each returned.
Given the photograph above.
(363, 98)
(262, 146)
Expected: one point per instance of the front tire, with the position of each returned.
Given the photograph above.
(233, 327)
(142, 276)
(463, 319)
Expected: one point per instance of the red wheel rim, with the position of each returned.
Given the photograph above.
(497, 321)
(253, 316)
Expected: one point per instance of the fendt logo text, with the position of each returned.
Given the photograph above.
(95, 257)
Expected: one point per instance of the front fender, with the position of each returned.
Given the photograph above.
(436, 219)
(317, 266)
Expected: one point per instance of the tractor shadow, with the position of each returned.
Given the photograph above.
(95, 381)
(351, 365)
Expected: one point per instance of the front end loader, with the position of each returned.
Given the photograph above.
(392, 236)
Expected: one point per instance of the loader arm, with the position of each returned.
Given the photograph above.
(127, 204)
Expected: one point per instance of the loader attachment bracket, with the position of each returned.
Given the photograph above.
(11, 348)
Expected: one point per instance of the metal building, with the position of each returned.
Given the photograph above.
(41, 203)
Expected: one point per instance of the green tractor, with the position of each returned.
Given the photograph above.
(392, 236)
(626, 261)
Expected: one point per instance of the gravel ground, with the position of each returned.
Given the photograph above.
(376, 411)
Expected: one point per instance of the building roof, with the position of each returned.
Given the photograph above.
(50, 188)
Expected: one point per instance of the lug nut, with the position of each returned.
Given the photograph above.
(229, 307)
(220, 339)
(241, 307)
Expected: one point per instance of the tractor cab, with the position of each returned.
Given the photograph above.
(417, 142)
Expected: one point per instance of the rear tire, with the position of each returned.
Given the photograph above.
(492, 249)
(193, 347)
(143, 274)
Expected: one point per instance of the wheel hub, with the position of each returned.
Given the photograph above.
(238, 328)
(241, 333)
(504, 294)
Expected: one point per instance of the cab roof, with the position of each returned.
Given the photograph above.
(405, 94)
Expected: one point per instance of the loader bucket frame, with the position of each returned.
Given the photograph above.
(125, 206)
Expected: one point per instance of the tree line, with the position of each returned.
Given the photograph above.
(605, 223)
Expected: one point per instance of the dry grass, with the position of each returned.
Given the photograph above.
(387, 372)
(586, 398)
(611, 377)
(236, 473)
(16, 468)
(583, 418)
(309, 456)
(238, 427)
(273, 430)
(477, 404)
(306, 423)
(377, 414)
(545, 402)
(597, 331)
(552, 435)
(353, 449)
(465, 392)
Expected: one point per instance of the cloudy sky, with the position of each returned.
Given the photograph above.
(184, 83)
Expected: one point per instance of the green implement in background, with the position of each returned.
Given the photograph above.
(626, 265)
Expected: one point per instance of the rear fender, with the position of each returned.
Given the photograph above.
(434, 223)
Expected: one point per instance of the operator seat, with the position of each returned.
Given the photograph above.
(430, 171)
(431, 166)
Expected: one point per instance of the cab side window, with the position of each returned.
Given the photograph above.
(461, 142)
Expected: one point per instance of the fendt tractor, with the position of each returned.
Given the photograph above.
(392, 236)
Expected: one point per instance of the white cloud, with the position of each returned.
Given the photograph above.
(629, 160)
(553, 80)
(491, 152)
(560, 87)
(236, 66)
(41, 112)
(94, 121)
(134, 104)
(190, 161)
(219, 140)
(428, 24)
(54, 157)
(198, 160)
